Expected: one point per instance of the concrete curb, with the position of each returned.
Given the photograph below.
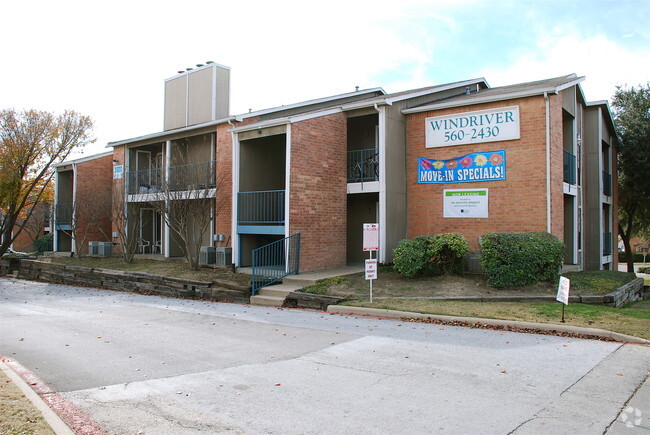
(394, 314)
(55, 422)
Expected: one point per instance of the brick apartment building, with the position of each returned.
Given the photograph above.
(324, 167)
(82, 201)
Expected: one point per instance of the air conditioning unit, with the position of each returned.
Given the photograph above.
(93, 248)
(224, 257)
(105, 249)
(207, 255)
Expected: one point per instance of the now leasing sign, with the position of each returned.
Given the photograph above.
(473, 127)
(465, 203)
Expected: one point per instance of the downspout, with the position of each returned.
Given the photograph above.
(382, 183)
(234, 189)
(548, 163)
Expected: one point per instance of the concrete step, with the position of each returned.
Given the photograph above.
(298, 280)
(269, 301)
(274, 295)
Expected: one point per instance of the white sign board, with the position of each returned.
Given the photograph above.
(370, 237)
(118, 172)
(465, 203)
(490, 125)
(371, 269)
(563, 290)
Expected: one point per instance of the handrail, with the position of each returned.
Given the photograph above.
(274, 261)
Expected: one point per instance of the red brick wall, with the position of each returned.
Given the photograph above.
(223, 155)
(517, 204)
(94, 186)
(318, 190)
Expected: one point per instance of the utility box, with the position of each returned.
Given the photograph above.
(207, 255)
(224, 257)
(105, 249)
(93, 248)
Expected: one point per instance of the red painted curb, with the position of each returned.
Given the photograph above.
(72, 416)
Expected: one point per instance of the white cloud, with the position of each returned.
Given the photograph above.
(603, 62)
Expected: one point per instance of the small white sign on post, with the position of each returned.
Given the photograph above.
(563, 290)
(371, 273)
(371, 269)
(370, 237)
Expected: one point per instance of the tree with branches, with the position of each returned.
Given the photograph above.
(185, 198)
(632, 119)
(30, 143)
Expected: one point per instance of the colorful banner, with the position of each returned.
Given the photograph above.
(487, 166)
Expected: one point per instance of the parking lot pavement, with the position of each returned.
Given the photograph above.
(149, 364)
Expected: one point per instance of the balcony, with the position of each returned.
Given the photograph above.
(363, 165)
(260, 212)
(569, 167)
(607, 244)
(607, 183)
(63, 214)
(180, 178)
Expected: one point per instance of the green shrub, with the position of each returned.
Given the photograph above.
(435, 254)
(44, 244)
(637, 258)
(520, 259)
(644, 269)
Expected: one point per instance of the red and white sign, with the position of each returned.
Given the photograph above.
(563, 290)
(371, 269)
(370, 237)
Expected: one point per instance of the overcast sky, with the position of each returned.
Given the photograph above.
(109, 59)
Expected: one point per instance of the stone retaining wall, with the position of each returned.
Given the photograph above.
(630, 292)
(138, 282)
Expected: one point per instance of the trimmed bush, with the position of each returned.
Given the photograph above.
(435, 254)
(637, 258)
(44, 244)
(521, 259)
(644, 269)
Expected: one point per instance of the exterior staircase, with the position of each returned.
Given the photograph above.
(274, 295)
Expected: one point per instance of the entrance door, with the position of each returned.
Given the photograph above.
(150, 231)
(143, 168)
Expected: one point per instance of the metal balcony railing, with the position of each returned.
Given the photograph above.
(183, 177)
(63, 214)
(607, 183)
(363, 165)
(569, 167)
(260, 208)
(607, 244)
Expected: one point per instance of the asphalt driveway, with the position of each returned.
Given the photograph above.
(148, 364)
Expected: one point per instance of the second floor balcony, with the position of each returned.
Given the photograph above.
(194, 176)
(363, 165)
(569, 167)
(63, 214)
(607, 183)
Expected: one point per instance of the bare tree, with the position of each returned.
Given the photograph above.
(89, 214)
(186, 198)
(126, 225)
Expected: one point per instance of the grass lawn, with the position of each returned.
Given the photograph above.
(177, 269)
(633, 319)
